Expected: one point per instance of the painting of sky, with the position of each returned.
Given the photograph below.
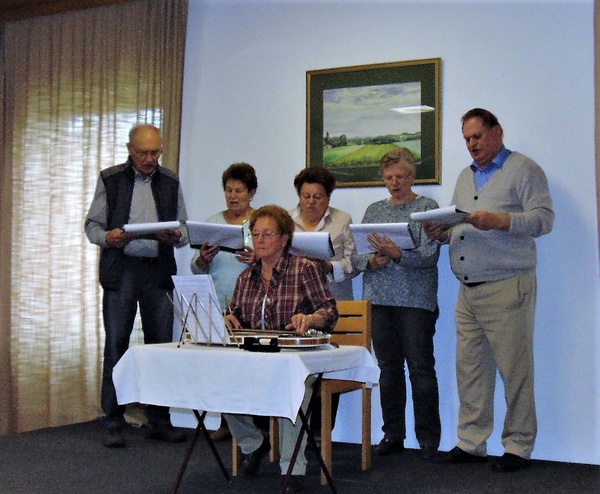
(371, 111)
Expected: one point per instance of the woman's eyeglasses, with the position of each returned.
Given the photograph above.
(316, 197)
(265, 235)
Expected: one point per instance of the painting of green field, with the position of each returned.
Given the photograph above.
(332, 155)
(358, 163)
(365, 155)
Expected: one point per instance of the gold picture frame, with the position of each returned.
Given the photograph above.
(354, 115)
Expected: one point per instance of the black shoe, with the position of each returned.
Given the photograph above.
(429, 454)
(389, 445)
(457, 455)
(113, 438)
(166, 433)
(296, 483)
(510, 463)
(317, 441)
(251, 462)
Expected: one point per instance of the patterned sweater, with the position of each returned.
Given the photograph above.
(412, 282)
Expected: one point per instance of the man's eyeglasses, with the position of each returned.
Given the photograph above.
(265, 235)
(152, 153)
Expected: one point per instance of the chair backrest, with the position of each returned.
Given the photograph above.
(354, 325)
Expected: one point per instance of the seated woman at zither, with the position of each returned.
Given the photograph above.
(283, 292)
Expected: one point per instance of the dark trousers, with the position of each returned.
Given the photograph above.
(139, 286)
(405, 335)
(315, 417)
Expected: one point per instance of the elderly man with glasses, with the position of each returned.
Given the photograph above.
(136, 270)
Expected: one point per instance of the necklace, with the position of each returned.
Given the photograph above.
(240, 220)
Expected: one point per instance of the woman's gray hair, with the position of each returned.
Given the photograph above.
(395, 156)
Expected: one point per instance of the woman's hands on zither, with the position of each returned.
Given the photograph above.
(301, 323)
(232, 322)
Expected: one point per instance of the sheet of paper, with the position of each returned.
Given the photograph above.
(196, 307)
(145, 228)
(448, 216)
(399, 233)
(314, 245)
(227, 237)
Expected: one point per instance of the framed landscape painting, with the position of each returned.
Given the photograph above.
(357, 114)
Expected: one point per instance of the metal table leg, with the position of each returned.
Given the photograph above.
(311, 439)
(200, 428)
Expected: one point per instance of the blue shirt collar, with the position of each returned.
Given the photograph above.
(482, 176)
(496, 164)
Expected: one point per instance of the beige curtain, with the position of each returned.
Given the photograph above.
(72, 86)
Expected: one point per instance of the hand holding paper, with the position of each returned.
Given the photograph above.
(118, 238)
(399, 233)
(384, 246)
(314, 245)
(450, 215)
(153, 231)
(228, 237)
(146, 228)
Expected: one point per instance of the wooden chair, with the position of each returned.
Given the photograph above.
(353, 328)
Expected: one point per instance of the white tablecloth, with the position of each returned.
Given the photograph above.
(231, 380)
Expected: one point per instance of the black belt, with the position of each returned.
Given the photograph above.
(477, 283)
(151, 261)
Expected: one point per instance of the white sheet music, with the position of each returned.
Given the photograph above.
(197, 310)
(447, 216)
(228, 237)
(400, 234)
(314, 245)
(145, 228)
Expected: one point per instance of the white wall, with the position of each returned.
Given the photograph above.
(529, 62)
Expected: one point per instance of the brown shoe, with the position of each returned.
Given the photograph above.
(113, 438)
(220, 434)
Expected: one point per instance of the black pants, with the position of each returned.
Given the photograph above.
(404, 335)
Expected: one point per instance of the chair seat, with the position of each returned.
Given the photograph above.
(339, 386)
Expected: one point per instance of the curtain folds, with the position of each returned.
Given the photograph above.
(72, 86)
